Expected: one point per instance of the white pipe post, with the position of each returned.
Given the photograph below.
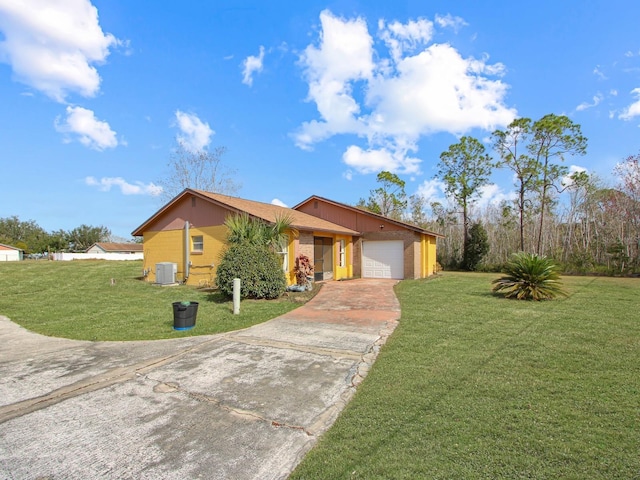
(187, 248)
(236, 296)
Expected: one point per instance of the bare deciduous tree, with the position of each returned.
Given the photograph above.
(200, 170)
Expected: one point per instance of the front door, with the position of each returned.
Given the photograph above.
(322, 258)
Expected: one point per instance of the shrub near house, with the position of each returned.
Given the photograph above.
(258, 268)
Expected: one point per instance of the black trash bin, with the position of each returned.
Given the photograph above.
(184, 315)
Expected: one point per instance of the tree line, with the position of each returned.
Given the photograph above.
(33, 239)
(574, 218)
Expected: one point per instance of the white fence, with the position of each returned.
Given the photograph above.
(97, 256)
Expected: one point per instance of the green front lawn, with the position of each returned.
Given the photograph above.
(76, 300)
(475, 386)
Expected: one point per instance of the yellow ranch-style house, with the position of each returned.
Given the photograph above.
(188, 236)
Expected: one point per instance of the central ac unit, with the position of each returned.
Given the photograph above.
(166, 273)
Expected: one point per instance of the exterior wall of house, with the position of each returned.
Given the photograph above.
(419, 249)
(360, 222)
(357, 257)
(291, 259)
(95, 249)
(305, 244)
(302, 245)
(428, 247)
(8, 254)
(199, 213)
(169, 246)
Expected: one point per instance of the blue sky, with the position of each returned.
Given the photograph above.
(308, 97)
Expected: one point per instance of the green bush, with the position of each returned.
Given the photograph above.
(257, 267)
(529, 277)
(475, 247)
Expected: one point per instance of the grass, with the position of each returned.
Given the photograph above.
(474, 386)
(76, 300)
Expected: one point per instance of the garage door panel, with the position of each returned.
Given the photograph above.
(383, 259)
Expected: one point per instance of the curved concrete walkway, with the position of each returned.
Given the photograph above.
(244, 405)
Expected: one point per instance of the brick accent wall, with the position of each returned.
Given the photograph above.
(357, 257)
(305, 244)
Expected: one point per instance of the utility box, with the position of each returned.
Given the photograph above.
(166, 273)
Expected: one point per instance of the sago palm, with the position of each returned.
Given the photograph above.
(530, 277)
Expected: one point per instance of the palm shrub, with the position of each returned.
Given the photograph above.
(258, 268)
(243, 229)
(529, 277)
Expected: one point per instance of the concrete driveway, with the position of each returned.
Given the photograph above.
(243, 405)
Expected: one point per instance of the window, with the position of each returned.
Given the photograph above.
(197, 244)
(283, 249)
(342, 253)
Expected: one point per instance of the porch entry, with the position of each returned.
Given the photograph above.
(322, 258)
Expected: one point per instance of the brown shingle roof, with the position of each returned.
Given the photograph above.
(118, 247)
(269, 213)
(264, 211)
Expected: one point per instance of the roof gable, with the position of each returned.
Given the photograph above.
(366, 213)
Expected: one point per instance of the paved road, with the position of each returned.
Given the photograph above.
(244, 405)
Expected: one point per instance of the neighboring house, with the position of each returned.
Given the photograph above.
(110, 247)
(9, 253)
(189, 234)
(385, 248)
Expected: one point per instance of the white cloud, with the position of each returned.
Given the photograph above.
(567, 180)
(596, 101)
(437, 91)
(448, 20)
(419, 90)
(137, 188)
(91, 132)
(252, 65)
(432, 190)
(280, 203)
(598, 73)
(376, 160)
(401, 38)
(195, 134)
(53, 45)
(344, 55)
(492, 194)
(632, 110)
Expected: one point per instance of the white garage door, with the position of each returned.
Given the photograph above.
(383, 259)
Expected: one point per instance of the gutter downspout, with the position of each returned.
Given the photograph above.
(187, 261)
